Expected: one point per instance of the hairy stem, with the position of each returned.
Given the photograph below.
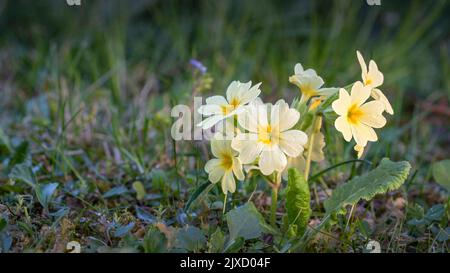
(224, 203)
(317, 120)
(317, 175)
(274, 200)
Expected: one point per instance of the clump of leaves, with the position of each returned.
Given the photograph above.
(23, 172)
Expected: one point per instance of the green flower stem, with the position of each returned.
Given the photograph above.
(317, 120)
(274, 199)
(304, 98)
(224, 203)
(319, 174)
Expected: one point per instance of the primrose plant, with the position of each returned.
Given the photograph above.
(279, 141)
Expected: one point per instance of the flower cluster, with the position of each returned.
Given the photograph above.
(357, 117)
(271, 138)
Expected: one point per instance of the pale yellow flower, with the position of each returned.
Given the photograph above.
(225, 166)
(269, 136)
(310, 83)
(373, 78)
(219, 108)
(356, 117)
(227, 129)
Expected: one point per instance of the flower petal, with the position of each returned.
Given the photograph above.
(228, 183)
(372, 114)
(292, 142)
(251, 94)
(237, 169)
(210, 109)
(362, 63)
(283, 117)
(227, 129)
(341, 105)
(375, 75)
(248, 147)
(262, 111)
(315, 82)
(327, 91)
(359, 93)
(343, 126)
(363, 133)
(379, 96)
(271, 160)
(221, 148)
(298, 69)
(215, 170)
(212, 164)
(372, 107)
(317, 147)
(310, 73)
(210, 121)
(359, 149)
(232, 90)
(216, 100)
(253, 116)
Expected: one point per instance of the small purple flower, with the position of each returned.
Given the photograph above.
(198, 65)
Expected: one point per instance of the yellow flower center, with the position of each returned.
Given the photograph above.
(267, 135)
(308, 91)
(227, 161)
(367, 81)
(354, 114)
(235, 102)
(228, 108)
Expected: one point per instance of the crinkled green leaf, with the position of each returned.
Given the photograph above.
(386, 177)
(297, 201)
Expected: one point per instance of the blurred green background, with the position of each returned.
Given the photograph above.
(86, 91)
(131, 58)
